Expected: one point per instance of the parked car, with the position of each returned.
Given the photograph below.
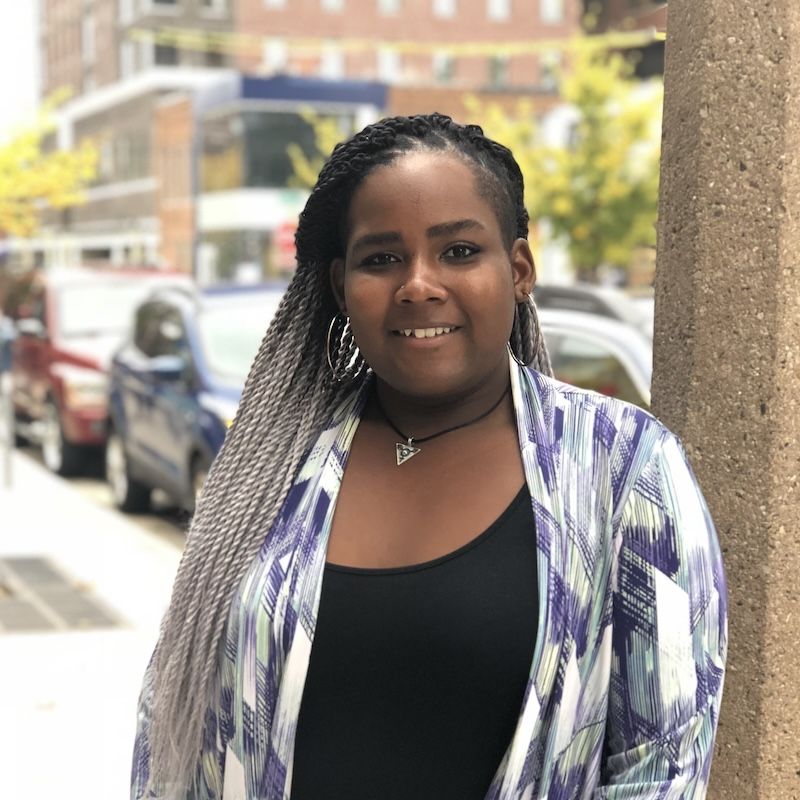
(605, 301)
(67, 324)
(175, 387)
(599, 353)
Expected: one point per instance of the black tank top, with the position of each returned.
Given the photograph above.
(418, 674)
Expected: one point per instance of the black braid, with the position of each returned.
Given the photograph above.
(322, 227)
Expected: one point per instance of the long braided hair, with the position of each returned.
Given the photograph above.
(286, 400)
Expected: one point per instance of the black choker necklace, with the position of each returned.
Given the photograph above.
(406, 451)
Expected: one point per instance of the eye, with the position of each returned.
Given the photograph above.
(379, 260)
(459, 252)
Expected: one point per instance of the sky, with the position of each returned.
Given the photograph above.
(19, 64)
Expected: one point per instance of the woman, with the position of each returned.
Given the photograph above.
(422, 568)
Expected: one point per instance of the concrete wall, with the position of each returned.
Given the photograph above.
(727, 350)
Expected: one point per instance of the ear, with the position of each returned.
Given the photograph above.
(523, 269)
(337, 283)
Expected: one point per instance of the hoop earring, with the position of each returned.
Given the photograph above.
(525, 326)
(344, 358)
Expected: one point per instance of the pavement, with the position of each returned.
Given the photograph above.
(68, 694)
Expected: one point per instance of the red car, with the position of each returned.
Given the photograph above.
(68, 324)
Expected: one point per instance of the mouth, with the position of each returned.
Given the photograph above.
(425, 333)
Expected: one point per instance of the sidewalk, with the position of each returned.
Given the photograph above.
(68, 698)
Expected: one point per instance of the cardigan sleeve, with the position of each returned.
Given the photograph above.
(669, 637)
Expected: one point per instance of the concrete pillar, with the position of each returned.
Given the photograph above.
(727, 350)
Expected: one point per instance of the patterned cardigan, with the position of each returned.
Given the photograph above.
(626, 680)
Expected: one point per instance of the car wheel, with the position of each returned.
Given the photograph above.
(60, 456)
(200, 467)
(127, 493)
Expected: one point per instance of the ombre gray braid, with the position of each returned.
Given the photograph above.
(287, 399)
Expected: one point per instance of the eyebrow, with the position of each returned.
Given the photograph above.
(443, 229)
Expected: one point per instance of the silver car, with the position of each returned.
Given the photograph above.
(599, 353)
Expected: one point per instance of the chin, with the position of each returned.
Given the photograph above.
(429, 384)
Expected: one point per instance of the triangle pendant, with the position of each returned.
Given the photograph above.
(405, 452)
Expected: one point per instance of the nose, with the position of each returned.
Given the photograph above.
(422, 283)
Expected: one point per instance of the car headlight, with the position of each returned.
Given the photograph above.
(83, 388)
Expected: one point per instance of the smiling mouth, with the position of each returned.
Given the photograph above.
(425, 333)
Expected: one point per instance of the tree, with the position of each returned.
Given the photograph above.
(31, 175)
(597, 191)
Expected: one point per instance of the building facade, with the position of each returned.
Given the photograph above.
(192, 105)
(464, 44)
(89, 44)
(110, 57)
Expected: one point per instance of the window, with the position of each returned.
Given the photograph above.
(388, 8)
(213, 58)
(444, 8)
(443, 67)
(247, 149)
(164, 3)
(592, 365)
(127, 59)
(549, 65)
(276, 55)
(165, 55)
(214, 6)
(498, 10)
(388, 65)
(158, 331)
(131, 155)
(331, 63)
(333, 6)
(552, 11)
(125, 11)
(498, 71)
(105, 165)
(87, 39)
(146, 53)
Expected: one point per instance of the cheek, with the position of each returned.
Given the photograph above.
(366, 305)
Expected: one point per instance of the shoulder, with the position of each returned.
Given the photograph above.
(592, 413)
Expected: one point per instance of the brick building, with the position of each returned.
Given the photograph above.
(108, 55)
(464, 44)
(184, 134)
(636, 15)
(89, 44)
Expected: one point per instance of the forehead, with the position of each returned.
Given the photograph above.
(429, 187)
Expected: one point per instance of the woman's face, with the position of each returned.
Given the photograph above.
(427, 280)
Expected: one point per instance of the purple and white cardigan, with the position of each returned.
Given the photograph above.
(626, 680)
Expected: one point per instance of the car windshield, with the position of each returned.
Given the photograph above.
(99, 309)
(230, 335)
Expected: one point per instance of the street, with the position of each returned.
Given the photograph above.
(82, 592)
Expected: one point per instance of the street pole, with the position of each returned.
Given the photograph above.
(7, 413)
(6, 402)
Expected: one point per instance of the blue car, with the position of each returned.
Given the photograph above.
(175, 386)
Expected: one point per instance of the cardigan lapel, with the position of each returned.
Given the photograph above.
(538, 427)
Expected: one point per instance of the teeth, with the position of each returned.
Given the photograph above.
(424, 333)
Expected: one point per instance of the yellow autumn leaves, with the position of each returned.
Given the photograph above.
(35, 174)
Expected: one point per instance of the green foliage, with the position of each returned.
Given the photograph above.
(599, 191)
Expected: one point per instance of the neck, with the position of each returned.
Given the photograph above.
(422, 415)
